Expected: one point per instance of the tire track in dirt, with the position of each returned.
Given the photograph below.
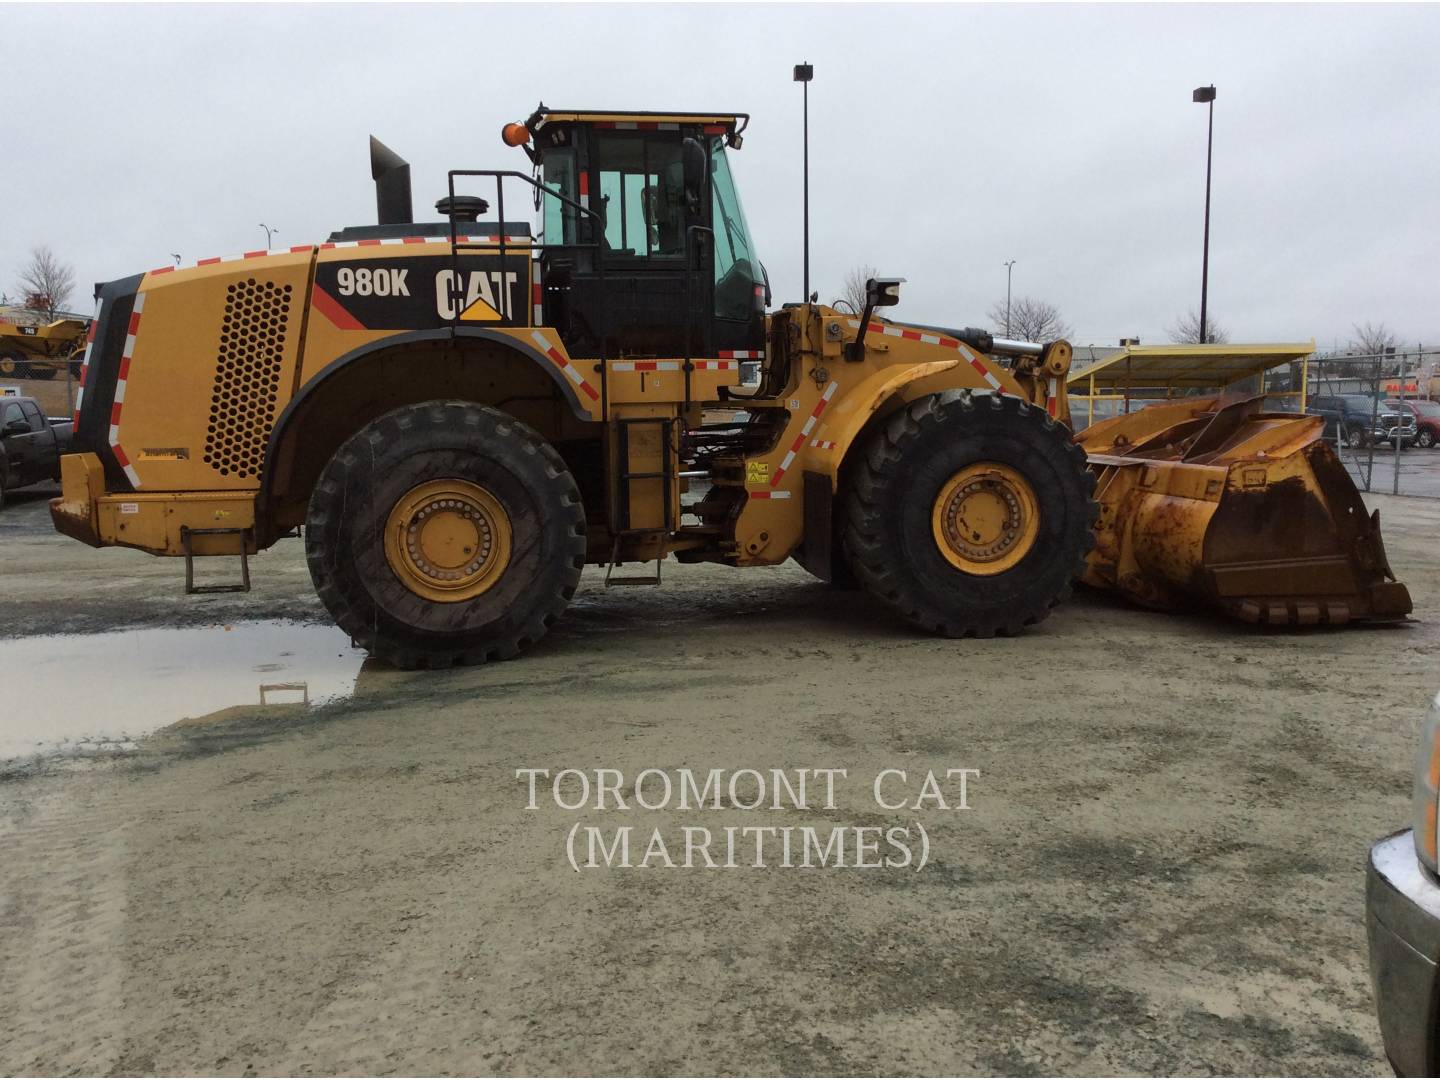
(62, 925)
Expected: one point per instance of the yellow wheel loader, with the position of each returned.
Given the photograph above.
(461, 414)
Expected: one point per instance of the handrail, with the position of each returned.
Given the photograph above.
(499, 175)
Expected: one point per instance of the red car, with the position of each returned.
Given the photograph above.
(1427, 420)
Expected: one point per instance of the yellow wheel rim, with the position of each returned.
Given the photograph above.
(985, 519)
(448, 540)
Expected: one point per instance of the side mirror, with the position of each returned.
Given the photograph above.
(16, 427)
(883, 292)
(693, 160)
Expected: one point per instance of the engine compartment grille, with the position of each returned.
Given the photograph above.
(247, 376)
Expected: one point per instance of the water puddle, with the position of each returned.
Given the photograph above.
(79, 692)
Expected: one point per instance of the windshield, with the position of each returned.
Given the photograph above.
(737, 270)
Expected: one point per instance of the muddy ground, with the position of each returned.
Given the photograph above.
(1162, 869)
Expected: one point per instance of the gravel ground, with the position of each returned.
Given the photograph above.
(1161, 869)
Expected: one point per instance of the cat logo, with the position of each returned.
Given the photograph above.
(487, 295)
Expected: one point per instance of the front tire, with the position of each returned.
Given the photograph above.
(1355, 437)
(970, 515)
(445, 533)
(1426, 439)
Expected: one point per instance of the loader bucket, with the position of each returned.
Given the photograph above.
(1211, 502)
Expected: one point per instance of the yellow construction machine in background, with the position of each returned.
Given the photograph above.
(39, 350)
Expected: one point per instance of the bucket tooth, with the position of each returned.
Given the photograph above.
(1215, 503)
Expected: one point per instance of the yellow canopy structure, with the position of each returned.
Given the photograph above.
(1162, 371)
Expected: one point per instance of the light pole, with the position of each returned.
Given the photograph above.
(268, 230)
(803, 74)
(1205, 95)
(1008, 267)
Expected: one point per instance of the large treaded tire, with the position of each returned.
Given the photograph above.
(889, 538)
(375, 468)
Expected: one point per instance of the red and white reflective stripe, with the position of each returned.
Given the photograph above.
(536, 295)
(714, 365)
(742, 354)
(645, 365)
(131, 332)
(585, 188)
(1052, 397)
(394, 241)
(301, 249)
(570, 370)
(298, 249)
(822, 444)
(769, 494)
(85, 363)
(637, 125)
(936, 339)
(805, 431)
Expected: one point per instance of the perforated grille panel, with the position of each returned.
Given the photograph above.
(247, 376)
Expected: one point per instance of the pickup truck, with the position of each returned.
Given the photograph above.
(1359, 420)
(30, 444)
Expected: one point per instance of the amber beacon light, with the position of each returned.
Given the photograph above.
(515, 135)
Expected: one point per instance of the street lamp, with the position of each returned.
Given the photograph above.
(268, 230)
(1205, 95)
(1008, 266)
(803, 74)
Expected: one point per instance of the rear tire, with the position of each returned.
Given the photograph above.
(394, 604)
(43, 372)
(13, 365)
(911, 467)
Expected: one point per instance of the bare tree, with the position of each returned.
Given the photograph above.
(854, 289)
(1371, 340)
(47, 282)
(1030, 320)
(1186, 330)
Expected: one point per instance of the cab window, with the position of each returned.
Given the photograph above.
(737, 271)
(642, 190)
(557, 222)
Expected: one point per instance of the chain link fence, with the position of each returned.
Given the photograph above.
(1382, 413)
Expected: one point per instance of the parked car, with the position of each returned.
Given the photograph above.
(31, 444)
(1402, 921)
(1427, 420)
(1359, 420)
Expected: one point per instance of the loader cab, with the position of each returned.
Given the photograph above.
(663, 265)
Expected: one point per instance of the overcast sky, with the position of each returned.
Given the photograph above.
(944, 141)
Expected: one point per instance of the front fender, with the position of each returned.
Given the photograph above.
(868, 399)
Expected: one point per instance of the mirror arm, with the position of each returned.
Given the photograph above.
(855, 350)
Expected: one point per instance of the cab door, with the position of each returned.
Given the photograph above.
(656, 284)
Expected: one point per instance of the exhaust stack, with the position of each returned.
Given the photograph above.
(391, 174)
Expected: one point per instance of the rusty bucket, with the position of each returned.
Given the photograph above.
(1212, 502)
